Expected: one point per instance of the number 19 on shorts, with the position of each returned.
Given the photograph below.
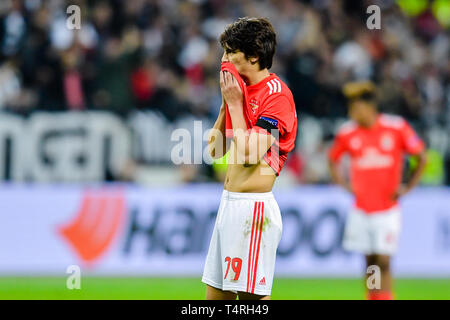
(236, 265)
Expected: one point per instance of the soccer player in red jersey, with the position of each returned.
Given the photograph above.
(242, 251)
(376, 144)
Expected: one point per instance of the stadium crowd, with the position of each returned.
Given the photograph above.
(163, 55)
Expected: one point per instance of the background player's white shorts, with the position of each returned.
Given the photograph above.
(375, 233)
(244, 242)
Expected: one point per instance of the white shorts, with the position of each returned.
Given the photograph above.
(374, 233)
(244, 243)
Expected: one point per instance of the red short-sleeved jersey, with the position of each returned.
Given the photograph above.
(376, 158)
(271, 100)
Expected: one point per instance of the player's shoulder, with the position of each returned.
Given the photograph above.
(391, 121)
(275, 87)
(347, 128)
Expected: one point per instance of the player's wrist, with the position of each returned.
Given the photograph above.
(407, 188)
(234, 107)
(348, 187)
(404, 187)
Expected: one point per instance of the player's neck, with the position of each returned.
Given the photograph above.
(255, 77)
(370, 122)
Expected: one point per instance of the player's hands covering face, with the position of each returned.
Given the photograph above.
(231, 91)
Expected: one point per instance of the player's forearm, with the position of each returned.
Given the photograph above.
(337, 178)
(415, 178)
(217, 143)
(240, 134)
(251, 146)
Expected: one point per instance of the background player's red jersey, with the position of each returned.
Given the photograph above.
(271, 100)
(376, 159)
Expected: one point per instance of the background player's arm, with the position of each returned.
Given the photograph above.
(337, 177)
(413, 145)
(415, 177)
(336, 151)
(251, 146)
(217, 141)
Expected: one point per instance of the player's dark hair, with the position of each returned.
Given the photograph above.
(367, 96)
(360, 90)
(255, 37)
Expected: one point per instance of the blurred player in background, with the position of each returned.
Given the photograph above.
(376, 144)
(242, 251)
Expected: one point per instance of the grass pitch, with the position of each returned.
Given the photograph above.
(192, 288)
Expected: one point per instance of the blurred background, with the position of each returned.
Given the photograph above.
(86, 137)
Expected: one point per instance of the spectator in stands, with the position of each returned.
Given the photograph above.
(163, 56)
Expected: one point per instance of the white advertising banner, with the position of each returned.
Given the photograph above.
(127, 230)
(63, 146)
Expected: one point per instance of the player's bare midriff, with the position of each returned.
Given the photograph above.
(252, 178)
